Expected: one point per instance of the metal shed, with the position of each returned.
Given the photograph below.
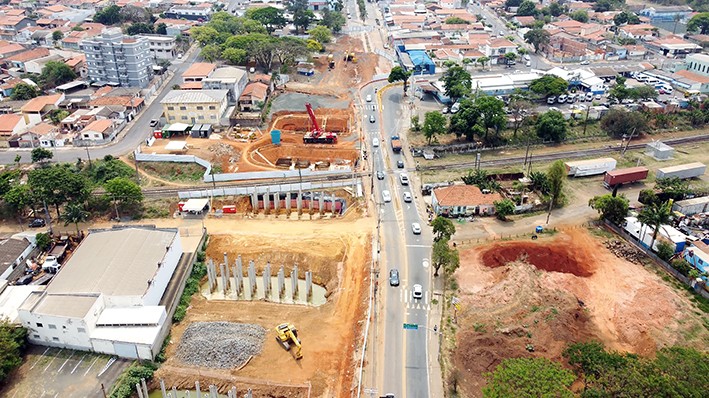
(659, 150)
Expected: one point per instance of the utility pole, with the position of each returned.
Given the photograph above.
(88, 156)
(585, 123)
(48, 218)
(627, 144)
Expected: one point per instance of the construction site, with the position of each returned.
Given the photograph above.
(256, 339)
(532, 298)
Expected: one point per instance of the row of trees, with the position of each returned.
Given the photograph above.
(674, 372)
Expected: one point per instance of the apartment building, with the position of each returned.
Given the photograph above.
(115, 59)
(161, 47)
(195, 106)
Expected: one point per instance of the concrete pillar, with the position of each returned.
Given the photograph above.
(174, 391)
(213, 392)
(224, 279)
(267, 279)
(294, 281)
(254, 205)
(322, 203)
(266, 201)
(162, 388)
(140, 390)
(209, 275)
(308, 284)
(288, 204)
(233, 391)
(145, 388)
(188, 394)
(312, 201)
(334, 200)
(237, 287)
(299, 202)
(249, 394)
(276, 201)
(281, 281)
(227, 281)
(252, 277)
(197, 390)
(239, 273)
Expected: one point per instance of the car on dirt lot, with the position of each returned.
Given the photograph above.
(380, 175)
(394, 277)
(417, 291)
(416, 228)
(37, 223)
(400, 164)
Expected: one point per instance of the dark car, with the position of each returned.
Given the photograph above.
(24, 280)
(380, 175)
(37, 223)
(394, 277)
(400, 164)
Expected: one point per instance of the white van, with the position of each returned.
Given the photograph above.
(562, 98)
(455, 108)
(375, 142)
(527, 57)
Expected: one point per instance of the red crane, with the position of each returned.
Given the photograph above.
(317, 135)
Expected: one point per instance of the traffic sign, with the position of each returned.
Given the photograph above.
(411, 326)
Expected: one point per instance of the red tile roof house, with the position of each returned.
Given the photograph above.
(10, 124)
(35, 109)
(99, 130)
(463, 200)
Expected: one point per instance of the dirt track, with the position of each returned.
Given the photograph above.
(507, 308)
(329, 333)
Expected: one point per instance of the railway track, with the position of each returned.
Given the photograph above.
(563, 155)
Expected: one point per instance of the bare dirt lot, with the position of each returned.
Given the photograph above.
(329, 333)
(573, 290)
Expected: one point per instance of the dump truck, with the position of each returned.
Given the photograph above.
(395, 144)
(624, 176)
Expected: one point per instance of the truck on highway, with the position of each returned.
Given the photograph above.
(624, 176)
(395, 144)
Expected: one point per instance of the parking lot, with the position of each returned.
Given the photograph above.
(54, 372)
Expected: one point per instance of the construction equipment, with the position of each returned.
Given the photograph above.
(350, 57)
(317, 135)
(330, 61)
(287, 336)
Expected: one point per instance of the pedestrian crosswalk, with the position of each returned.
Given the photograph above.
(412, 303)
(370, 107)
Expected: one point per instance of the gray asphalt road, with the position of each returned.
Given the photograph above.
(405, 363)
(127, 140)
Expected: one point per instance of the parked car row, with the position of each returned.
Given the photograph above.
(573, 97)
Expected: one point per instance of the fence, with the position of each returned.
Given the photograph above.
(275, 188)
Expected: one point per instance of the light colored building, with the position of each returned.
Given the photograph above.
(10, 124)
(35, 109)
(658, 13)
(463, 200)
(119, 60)
(198, 72)
(13, 252)
(107, 296)
(495, 49)
(195, 106)
(99, 130)
(697, 63)
(162, 47)
(227, 78)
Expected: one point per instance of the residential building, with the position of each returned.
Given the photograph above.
(12, 24)
(697, 63)
(34, 110)
(99, 130)
(254, 97)
(563, 46)
(118, 60)
(107, 297)
(191, 13)
(495, 49)
(463, 200)
(10, 124)
(195, 106)
(691, 81)
(162, 47)
(666, 14)
(175, 26)
(227, 78)
(641, 31)
(13, 252)
(17, 62)
(198, 72)
(673, 47)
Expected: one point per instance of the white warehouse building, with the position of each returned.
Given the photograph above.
(106, 298)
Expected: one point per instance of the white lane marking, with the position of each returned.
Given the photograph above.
(40, 358)
(425, 246)
(426, 298)
(64, 364)
(78, 363)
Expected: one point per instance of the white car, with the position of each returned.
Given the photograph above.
(375, 142)
(369, 98)
(585, 62)
(407, 197)
(417, 291)
(416, 228)
(404, 179)
(386, 196)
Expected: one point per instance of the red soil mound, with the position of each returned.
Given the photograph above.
(555, 257)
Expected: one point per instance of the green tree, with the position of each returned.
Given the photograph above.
(482, 61)
(579, 15)
(537, 37)
(43, 241)
(521, 108)
(611, 208)
(527, 8)
(456, 21)
(57, 115)
(464, 122)
(512, 3)
(443, 228)
(556, 175)
(57, 35)
(504, 208)
(211, 52)
(205, 35)
(551, 125)
(619, 122)
(123, 192)
(139, 28)
(528, 377)
(333, 19)
(591, 360)
(74, 213)
(492, 114)
(24, 92)
(18, 197)
(626, 17)
(539, 182)
(12, 347)
(549, 85)
(161, 29)
(108, 169)
(415, 123)
(397, 74)
(434, 124)
(57, 185)
(555, 9)
(665, 250)
(109, 15)
(442, 255)
(234, 56)
(457, 82)
(655, 215)
(321, 34)
(642, 93)
(271, 17)
(302, 19)
(510, 57)
(699, 22)
(41, 155)
(603, 6)
(56, 73)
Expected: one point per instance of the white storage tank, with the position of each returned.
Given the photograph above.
(590, 167)
(683, 171)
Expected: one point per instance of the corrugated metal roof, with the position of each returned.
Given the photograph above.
(194, 96)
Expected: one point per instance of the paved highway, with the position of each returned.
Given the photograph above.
(129, 139)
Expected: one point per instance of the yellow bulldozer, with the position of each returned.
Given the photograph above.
(287, 337)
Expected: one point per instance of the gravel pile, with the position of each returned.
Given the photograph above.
(220, 345)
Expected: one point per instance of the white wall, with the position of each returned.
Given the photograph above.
(56, 331)
(164, 273)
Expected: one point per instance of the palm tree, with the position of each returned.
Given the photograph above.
(74, 213)
(655, 216)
